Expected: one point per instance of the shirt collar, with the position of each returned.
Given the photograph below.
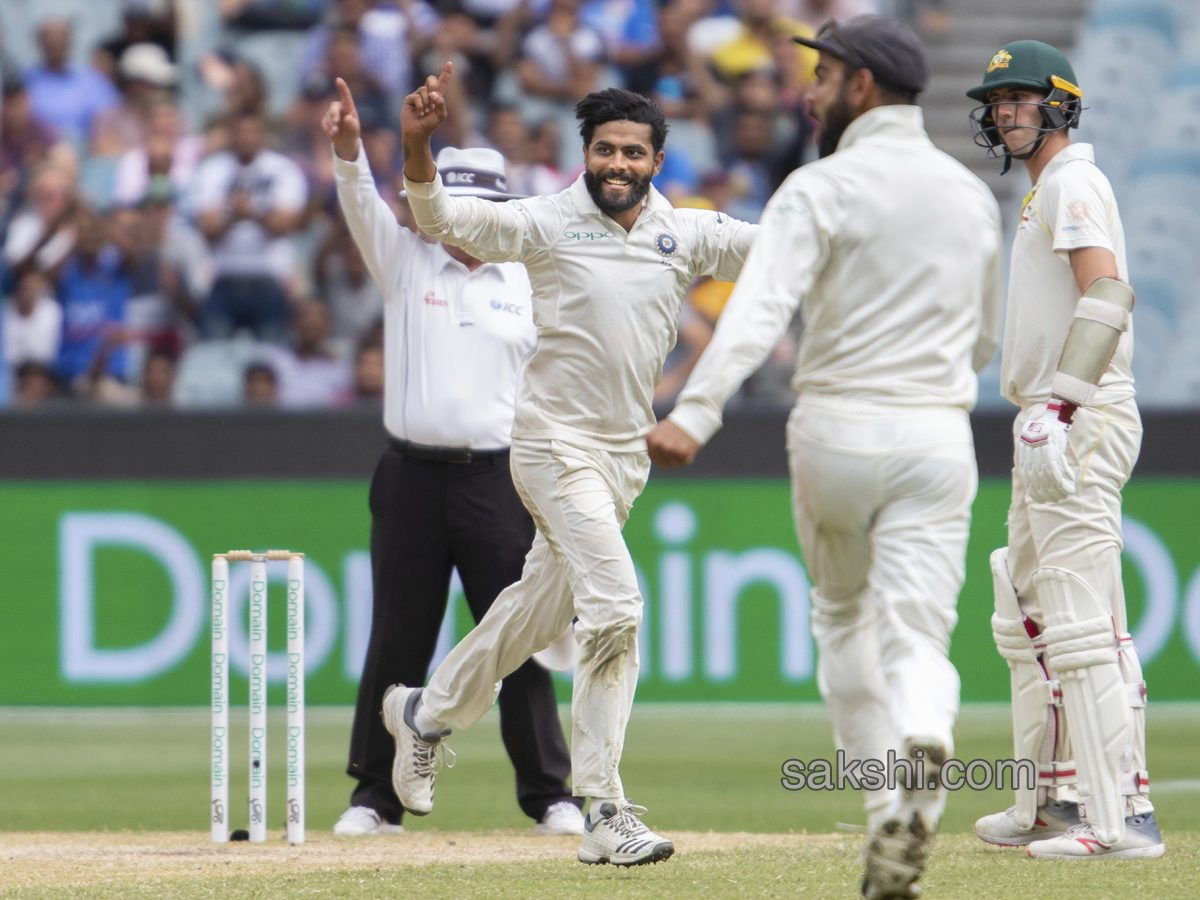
(895, 122)
(586, 206)
(447, 261)
(1064, 156)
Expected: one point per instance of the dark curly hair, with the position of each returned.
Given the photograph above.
(614, 105)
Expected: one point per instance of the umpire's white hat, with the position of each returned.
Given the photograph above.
(474, 172)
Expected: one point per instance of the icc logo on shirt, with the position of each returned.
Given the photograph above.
(513, 308)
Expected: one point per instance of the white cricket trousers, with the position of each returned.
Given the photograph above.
(1083, 532)
(578, 567)
(882, 497)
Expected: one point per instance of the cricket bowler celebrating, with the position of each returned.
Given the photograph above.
(1060, 606)
(609, 261)
(891, 250)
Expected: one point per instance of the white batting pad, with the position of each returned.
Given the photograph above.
(1136, 779)
(1033, 694)
(1081, 648)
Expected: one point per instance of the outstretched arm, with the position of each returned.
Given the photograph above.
(721, 243)
(788, 253)
(380, 238)
(493, 232)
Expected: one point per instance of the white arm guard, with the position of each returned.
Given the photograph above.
(1101, 317)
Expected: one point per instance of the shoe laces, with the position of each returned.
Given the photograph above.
(1076, 831)
(627, 821)
(429, 758)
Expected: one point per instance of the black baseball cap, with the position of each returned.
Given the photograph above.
(885, 46)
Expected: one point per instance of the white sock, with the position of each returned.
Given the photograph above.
(597, 802)
(425, 722)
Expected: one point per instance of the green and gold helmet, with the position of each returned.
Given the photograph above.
(1039, 67)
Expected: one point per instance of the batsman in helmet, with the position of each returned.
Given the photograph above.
(1078, 697)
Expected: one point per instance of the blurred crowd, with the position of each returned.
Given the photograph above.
(156, 255)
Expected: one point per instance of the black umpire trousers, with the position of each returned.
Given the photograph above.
(428, 517)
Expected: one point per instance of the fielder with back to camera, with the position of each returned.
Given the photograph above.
(609, 260)
(1060, 607)
(891, 250)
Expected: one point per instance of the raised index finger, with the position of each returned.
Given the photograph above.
(444, 78)
(347, 98)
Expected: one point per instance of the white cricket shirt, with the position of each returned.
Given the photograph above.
(1072, 206)
(274, 183)
(605, 301)
(891, 249)
(34, 337)
(455, 341)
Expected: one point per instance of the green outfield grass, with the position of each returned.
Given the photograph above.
(697, 768)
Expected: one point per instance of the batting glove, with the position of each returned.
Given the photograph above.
(1042, 454)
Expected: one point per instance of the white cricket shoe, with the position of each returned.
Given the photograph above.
(417, 757)
(1053, 820)
(1142, 840)
(563, 817)
(622, 839)
(359, 820)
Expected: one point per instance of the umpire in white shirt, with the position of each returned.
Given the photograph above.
(891, 250)
(457, 336)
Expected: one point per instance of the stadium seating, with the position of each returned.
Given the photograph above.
(1138, 62)
(211, 373)
(1139, 66)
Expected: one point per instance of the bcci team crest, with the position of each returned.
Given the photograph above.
(1000, 60)
(667, 244)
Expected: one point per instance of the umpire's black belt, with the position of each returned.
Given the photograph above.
(446, 454)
